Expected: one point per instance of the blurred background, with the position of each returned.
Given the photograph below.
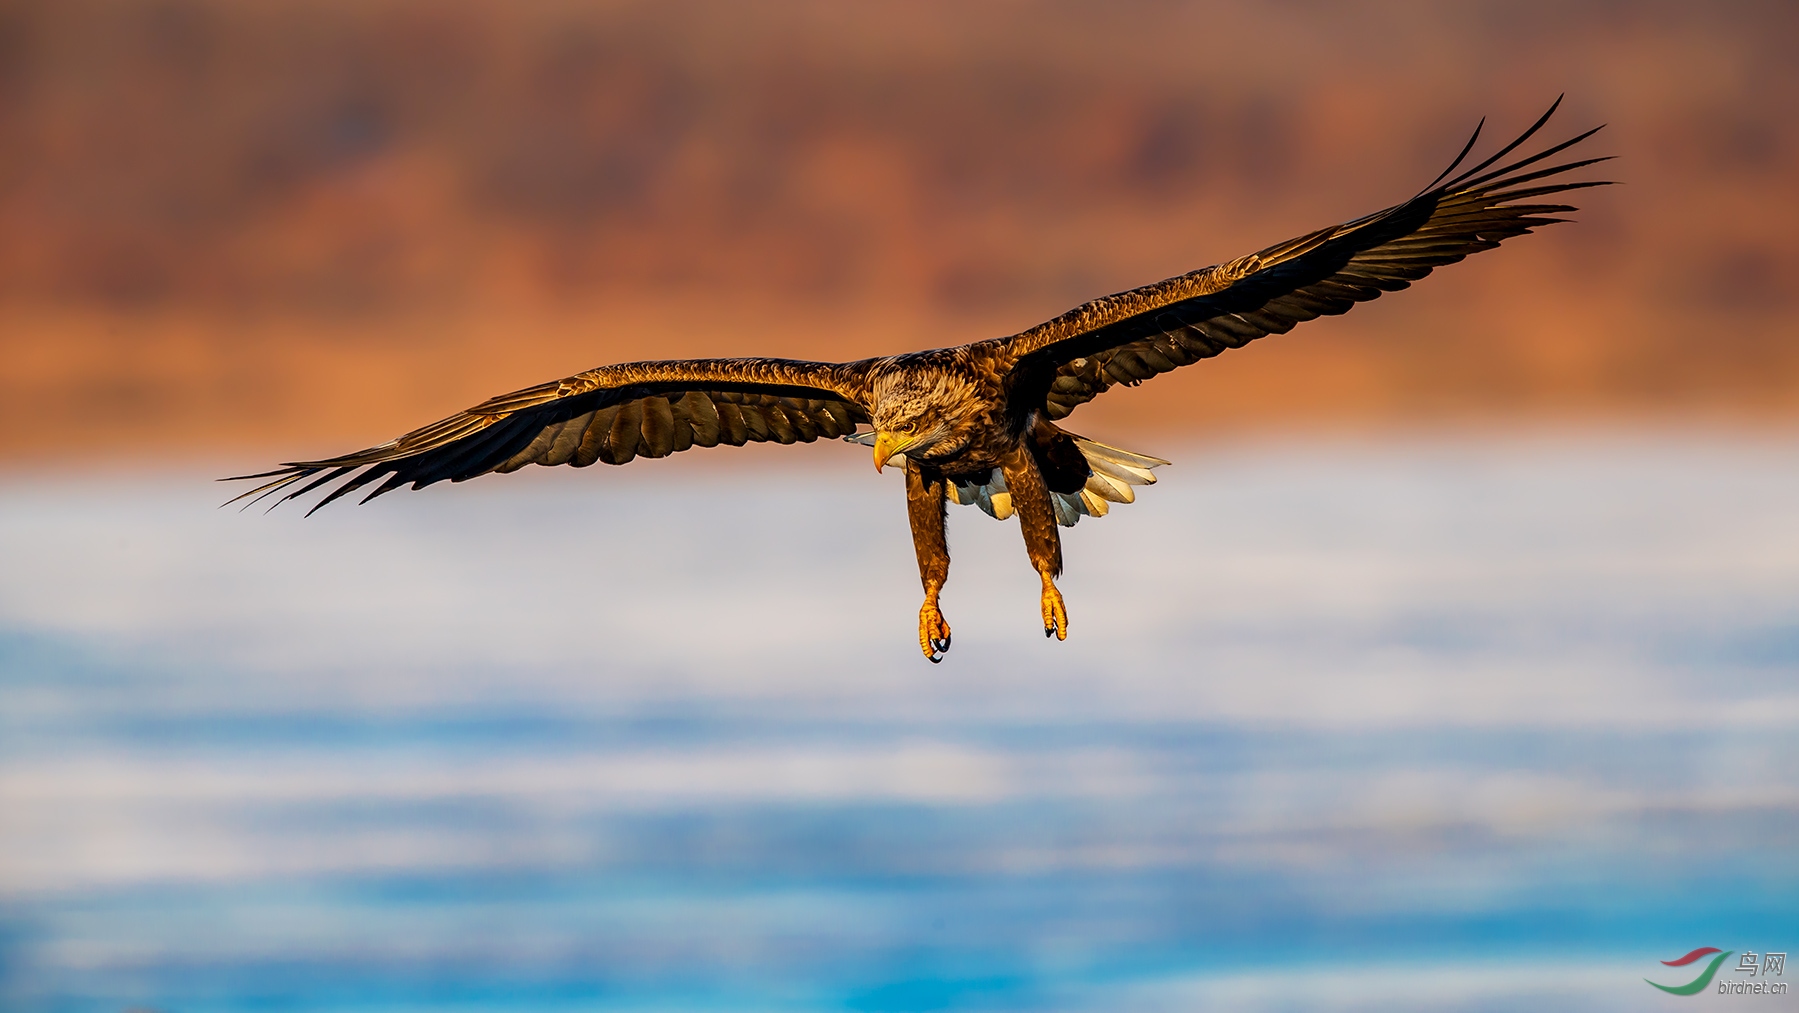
(225, 226)
(1450, 667)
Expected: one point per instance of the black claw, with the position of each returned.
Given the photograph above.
(1050, 630)
(936, 658)
(940, 646)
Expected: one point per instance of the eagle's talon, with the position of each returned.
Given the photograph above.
(1055, 614)
(933, 632)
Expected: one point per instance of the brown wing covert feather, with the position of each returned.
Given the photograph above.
(667, 424)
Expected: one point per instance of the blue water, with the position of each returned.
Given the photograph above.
(1467, 724)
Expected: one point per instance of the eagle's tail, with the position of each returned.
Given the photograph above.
(1114, 472)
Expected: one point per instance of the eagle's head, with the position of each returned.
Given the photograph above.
(926, 411)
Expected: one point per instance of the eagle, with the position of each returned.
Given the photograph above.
(979, 423)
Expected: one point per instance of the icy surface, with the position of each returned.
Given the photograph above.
(1484, 724)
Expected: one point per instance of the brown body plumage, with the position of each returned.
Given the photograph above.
(975, 423)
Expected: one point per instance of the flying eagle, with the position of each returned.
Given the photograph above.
(977, 423)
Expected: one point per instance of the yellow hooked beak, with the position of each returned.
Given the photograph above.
(886, 445)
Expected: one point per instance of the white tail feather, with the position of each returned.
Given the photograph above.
(1115, 471)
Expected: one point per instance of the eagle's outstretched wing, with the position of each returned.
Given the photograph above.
(610, 414)
(1129, 337)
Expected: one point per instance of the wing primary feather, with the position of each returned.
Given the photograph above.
(273, 488)
(285, 469)
(477, 455)
(1549, 152)
(287, 475)
(394, 481)
(355, 482)
(315, 483)
(1508, 149)
(454, 460)
(442, 462)
(495, 453)
(1458, 159)
(1553, 170)
(538, 449)
(1538, 191)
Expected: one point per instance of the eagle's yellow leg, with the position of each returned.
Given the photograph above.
(1055, 614)
(925, 507)
(1037, 519)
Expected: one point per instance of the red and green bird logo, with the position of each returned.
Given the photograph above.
(1705, 977)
